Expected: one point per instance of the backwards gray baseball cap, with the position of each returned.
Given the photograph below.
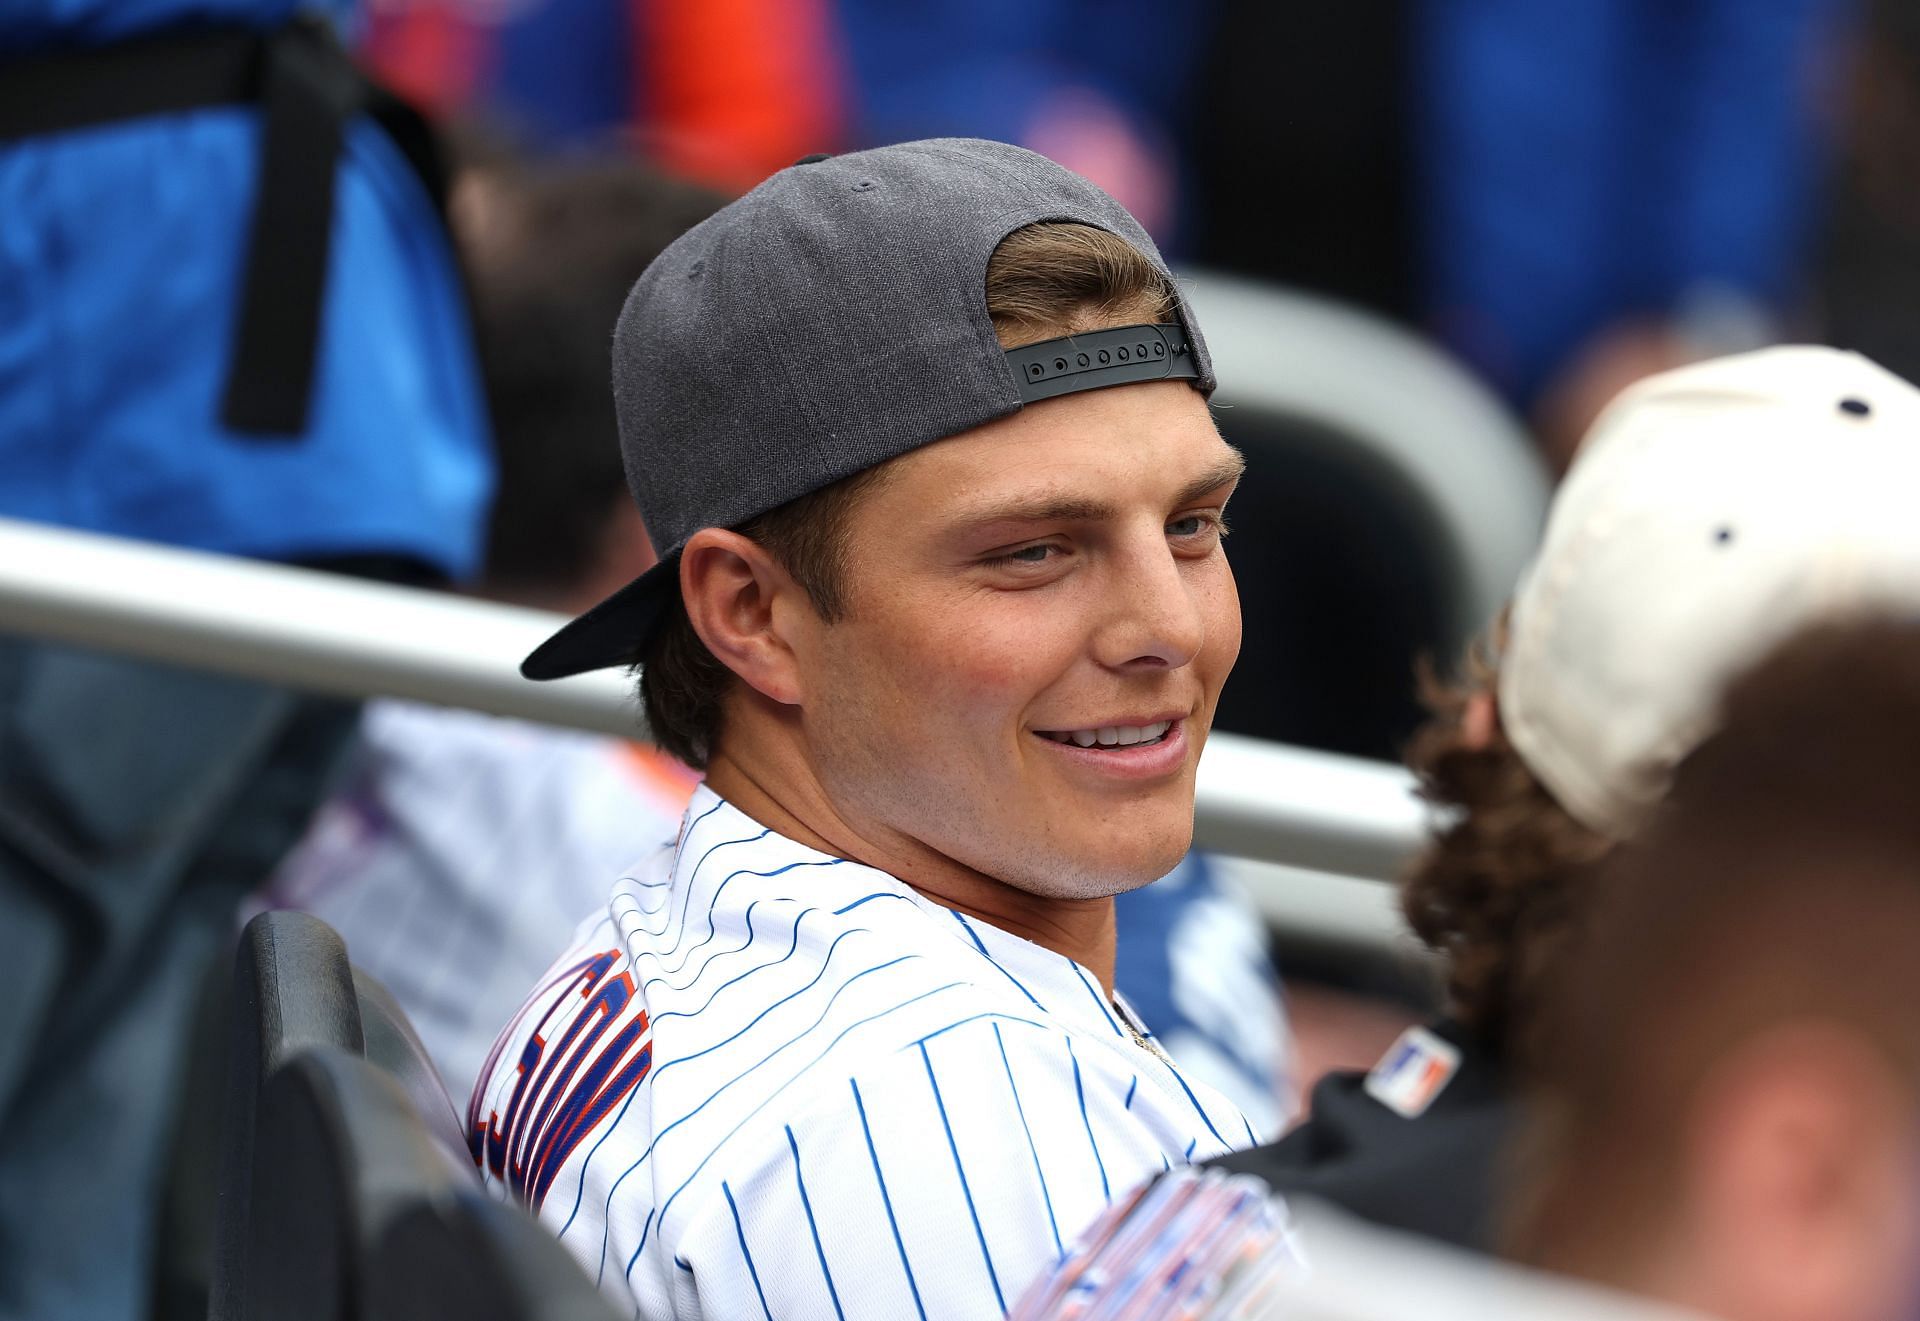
(834, 318)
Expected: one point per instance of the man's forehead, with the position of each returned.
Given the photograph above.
(1028, 461)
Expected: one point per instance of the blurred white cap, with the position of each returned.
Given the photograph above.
(1712, 512)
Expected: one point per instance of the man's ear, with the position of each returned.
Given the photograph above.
(1800, 1169)
(740, 601)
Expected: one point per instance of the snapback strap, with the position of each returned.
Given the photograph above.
(1100, 358)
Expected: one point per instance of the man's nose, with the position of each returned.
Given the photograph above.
(1154, 618)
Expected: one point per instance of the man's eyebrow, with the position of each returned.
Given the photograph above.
(1075, 509)
(1226, 470)
(1040, 509)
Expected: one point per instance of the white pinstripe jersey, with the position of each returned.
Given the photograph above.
(767, 1082)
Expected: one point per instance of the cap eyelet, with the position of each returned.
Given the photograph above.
(864, 186)
(1856, 407)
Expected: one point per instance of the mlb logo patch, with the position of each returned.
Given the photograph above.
(1411, 1074)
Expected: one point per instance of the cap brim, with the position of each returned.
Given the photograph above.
(611, 632)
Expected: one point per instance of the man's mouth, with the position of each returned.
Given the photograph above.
(1110, 736)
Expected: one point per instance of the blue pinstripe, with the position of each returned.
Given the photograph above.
(806, 1204)
(867, 899)
(607, 1209)
(613, 1127)
(886, 1200)
(771, 1097)
(981, 946)
(741, 1231)
(1197, 1109)
(694, 980)
(694, 873)
(975, 1018)
(965, 1188)
(1098, 999)
(1080, 1091)
(1038, 1173)
(601, 1272)
(758, 967)
(686, 836)
(633, 906)
(714, 902)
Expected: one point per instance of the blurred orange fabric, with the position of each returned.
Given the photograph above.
(736, 89)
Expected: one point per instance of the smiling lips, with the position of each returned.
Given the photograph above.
(1110, 736)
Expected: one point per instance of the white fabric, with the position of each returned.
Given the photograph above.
(457, 857)
(767, 1082)
(1712, 511)
(1360, 1272)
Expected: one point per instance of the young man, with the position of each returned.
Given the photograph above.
(943, 613)
(459, 850)
(1713, 510)
(1727, 1100)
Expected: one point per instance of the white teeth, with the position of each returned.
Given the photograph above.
(1112, 736)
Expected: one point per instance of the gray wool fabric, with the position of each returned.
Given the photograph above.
(831, 319)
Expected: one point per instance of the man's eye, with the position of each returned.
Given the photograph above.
(1196, 525)
(1037, 554)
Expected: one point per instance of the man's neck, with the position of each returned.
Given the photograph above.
(789, 800)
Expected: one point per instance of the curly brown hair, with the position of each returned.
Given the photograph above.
(1498, 891)
(1778, 882)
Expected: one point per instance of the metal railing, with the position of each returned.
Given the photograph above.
(329, 634)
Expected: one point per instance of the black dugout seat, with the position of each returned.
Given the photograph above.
(292, 992)
(361, 1212)
(471, 1258)
(347, 1189)
(392, 1044)
(340, 1153)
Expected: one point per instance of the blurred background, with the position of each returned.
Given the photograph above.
(1557, 199)
(1428, 239)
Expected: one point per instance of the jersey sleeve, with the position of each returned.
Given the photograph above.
(937, 1182)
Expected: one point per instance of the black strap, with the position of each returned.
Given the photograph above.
(157, 75)
(1099, 358)
(308, 89)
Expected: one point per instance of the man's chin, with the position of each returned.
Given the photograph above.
(1103, 877)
